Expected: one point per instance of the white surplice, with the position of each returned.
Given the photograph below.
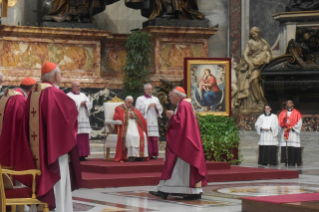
(180, 178)
(84, 113)
(150, 114)
(267, 137)
(294, 134)
(62, 189)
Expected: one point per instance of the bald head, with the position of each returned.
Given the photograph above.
(76, 87)
(129, 101)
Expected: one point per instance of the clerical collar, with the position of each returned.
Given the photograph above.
(58, 87)
(126, 107)
(147, 96)
(290, 109)
(269, 114)
(75, 93)
(25, 94)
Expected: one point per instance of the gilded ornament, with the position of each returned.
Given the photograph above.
(11, 3)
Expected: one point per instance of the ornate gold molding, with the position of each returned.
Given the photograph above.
(11, 3)
(116, 99)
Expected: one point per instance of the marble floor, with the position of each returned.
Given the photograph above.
(217, 197)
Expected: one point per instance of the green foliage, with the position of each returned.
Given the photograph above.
(219, 136)
(138, 59)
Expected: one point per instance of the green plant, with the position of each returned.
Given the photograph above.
(219, 136)
(138, 59)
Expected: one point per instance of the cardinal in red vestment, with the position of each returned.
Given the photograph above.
(12, 106)
(132, 137)
(49, 141)
(185, 169)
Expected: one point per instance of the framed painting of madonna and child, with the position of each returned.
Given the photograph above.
(207, 83)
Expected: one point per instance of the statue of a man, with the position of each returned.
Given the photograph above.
(76, 10)
(302, 5)
(176, 9)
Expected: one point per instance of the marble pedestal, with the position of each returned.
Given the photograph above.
(24, 50)
(170, 46)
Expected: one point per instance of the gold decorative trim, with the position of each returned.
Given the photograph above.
(3, 102)
(34, 117)
(116, 99)
(11, 3)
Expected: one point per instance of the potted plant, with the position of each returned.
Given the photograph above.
(220, 138)
(138, 58)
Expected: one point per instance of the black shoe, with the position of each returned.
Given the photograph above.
(160, 194)
(192, 197)
(83, 159)
(131, 159)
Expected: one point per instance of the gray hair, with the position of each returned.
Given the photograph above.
(49, 76)
(179, 93)
(129, 97)
(147, 84)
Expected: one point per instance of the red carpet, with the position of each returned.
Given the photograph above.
(289, 198)
(98, 173)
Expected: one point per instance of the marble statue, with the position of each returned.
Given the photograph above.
(250, 96)
(174, 9)
(302, 5)
(76, 10)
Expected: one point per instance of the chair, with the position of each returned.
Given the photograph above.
(111, 135)
(18, 196)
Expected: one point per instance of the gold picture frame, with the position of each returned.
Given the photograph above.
(207, 82)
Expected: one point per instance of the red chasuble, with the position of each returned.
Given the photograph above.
(294, 118)
(122, 114)
(184, 141)
(11, 114)
(20, 91)
(50, 129)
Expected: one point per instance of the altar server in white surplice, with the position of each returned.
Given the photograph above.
(84, 107)
(267, 129)
(151, 108)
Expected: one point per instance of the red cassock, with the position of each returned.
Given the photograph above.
(12, 119)
(293, 119)
(184, 141)
(56, 136)
(122, 114)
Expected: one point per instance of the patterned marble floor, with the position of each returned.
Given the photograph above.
(217, 197)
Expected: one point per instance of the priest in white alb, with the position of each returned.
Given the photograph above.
(267, 129)
(290, 122)
(151, 108)
(84, 107)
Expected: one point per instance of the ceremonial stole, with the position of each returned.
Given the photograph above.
(293, 119)
(199, 184)
(125, 126)
(3, 102)
(34, 121)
